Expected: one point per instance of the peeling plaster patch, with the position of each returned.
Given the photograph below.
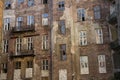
(3, 76)
(17, 74)
(29, 72)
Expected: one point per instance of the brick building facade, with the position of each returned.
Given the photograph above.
(56, 40)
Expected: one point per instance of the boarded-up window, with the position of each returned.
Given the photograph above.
(83, 38)
(99, 36)
(102, 63)
(84, 68)
(97, 12)
(62, 74)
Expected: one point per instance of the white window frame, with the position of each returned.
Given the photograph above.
(97, 13)
(30, 43)
(61, 3)
(45, 43)
(83, 38)
(30, 20)
(45, 19)
(81, 14)
(6, 24)
(18, 45)
(84, 65)
(102, 63)
(99, 36)
(19, 22)
(45, 64)
(5, 46)
(30, 3)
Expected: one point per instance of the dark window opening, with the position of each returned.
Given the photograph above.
(45, 1)
(63, 52)
(18, 65)
(29, 64)
(4, 67)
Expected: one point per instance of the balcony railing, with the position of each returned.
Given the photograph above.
(22, 53)
(23, 29)
(115, 45)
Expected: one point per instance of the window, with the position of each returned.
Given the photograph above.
(62, 27)
(18, 44)
(83, 38)
(61, 5)
(44, 64)
(18, 65)
(7, 5)
(84, 65)
(97, 12)
(30, 20)
(4, 67)
(102, 63)
(45, 43)
(30, 43)
(5, 46)
(29, 64)
(30, 2)
(45, 1)
(20, 2)
(63, 74)
(63, 52)
(45, 19)
(99, 36)
(19, 22)
(6, 24)
(81, 14)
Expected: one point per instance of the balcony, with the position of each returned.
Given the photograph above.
(23, 29)
(22, 53)
(115, 46)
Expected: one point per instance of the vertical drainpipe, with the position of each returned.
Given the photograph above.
(51, 28)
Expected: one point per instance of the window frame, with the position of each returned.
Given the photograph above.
(45, 64)
(63, 54)
(45, 42)
(30, 3)
(18, 65)
(6, 24)
(99, 35)
(5, 46)
(81, 14)
(61, 26)
(30, 43)
(97, 12)
(18, 44)
(84, 65)
(102, 63)
(45, 19)
(61, 5)
(83, 38)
